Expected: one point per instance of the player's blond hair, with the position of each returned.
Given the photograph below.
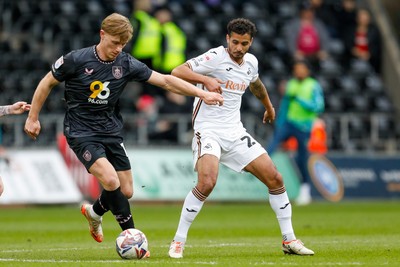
(118, 25)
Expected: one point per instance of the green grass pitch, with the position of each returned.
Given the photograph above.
(363, 233)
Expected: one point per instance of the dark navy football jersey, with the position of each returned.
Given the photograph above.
(92, 90)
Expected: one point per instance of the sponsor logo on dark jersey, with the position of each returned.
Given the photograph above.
(88, 72)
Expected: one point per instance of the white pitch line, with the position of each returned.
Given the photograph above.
(147, 261)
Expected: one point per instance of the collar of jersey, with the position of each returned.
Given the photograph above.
(99, 59)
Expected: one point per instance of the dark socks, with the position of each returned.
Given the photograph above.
(100, 206)
(119, 206)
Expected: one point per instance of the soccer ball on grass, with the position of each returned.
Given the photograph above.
(131, 244)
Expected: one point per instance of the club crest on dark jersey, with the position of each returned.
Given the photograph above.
(117, 72)
(87, 155)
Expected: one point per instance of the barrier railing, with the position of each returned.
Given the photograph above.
(346, 132)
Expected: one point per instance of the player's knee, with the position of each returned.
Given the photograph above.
(111, 183)
(276, 180)
(206, 185)
(128, 192)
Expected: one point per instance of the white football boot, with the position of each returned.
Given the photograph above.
(94, 225)
(176, 249)
(296, 247)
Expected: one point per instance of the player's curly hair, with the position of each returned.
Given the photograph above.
(242, 26)
(118, 25)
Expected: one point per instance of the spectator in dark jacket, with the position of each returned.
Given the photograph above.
(363, 41)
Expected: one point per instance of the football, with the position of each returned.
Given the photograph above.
(132, 244)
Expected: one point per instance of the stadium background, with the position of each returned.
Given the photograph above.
(361, 106)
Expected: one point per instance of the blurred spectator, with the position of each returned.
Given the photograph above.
(363, 41)
(325, 12)
(147, 108)
(300, 106)
(172, 44)
(307, 37)
(346, 17)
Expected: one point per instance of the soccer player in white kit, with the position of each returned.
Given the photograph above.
(220, 135)
(16, 108)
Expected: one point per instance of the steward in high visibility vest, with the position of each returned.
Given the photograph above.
(173, 43)
(147, 42)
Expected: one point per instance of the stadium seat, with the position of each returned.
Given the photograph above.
(250, 10)
(214, 28)
(200, 9)
(94, 8)
(325, 82)
(360, 69)
(358, 129)
(286, 10)
(264, 29)
(361, 103)
(382, 104)
(330, 68)
(187, 25)
(348, 84)
(228, 11)
(177, 10)
(277, 66)
(374, 84)
(68, 8)
(334, 103)
(336, 48)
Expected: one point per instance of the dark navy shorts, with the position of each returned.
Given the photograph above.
(89, 149)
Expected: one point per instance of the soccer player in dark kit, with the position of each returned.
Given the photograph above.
(94, 80)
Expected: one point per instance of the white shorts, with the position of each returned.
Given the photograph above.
(235, 152)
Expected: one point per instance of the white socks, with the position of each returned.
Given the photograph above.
(191, 207)
(278, 199)
(280, 203)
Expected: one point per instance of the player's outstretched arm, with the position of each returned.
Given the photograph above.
(186, 73)
(19, 107)
(260, 91)
(16, 108)
(32, 124)
(179, 86)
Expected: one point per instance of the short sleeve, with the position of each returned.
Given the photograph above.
(207, 62)
(63, 68)
(139, 71)
(254, 65)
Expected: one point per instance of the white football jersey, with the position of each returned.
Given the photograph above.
(217, 63)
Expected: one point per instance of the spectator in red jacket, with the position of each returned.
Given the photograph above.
(307, 37)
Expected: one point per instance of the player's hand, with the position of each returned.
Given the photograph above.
(19, 107)
(213, 85)
(269, 115)
(211, 98)
(32, 128)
